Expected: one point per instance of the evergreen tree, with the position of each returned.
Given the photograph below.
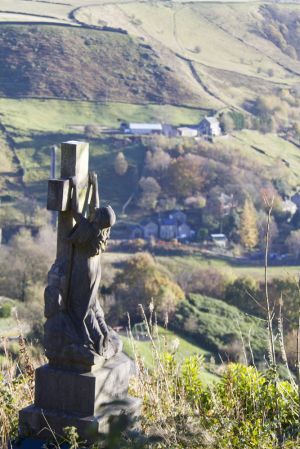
(248, 226)
(121, 165)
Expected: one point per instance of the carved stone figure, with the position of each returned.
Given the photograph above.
(85, 383)
(75, 327)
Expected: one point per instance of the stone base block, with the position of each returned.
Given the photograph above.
(82, 394)
(95, 402)
(115, 417)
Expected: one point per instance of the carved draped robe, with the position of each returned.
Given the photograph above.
(84, 280)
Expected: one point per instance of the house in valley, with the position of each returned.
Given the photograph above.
(150, 229)
(185, 131)
(168, 229)
(184, 232)
(168, 226)
(210, 126)
(146, 230)
(169, 130)
(219, 240)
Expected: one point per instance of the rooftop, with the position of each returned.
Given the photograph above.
(212, 120)
(150, 126)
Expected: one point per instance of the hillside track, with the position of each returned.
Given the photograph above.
(191, 62)
(73, 18)
(198, 79)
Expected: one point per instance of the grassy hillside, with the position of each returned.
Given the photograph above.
(159, 71)
(229, 56)
(25, 116)
(220, 327)
(227, 51)
(84, 65)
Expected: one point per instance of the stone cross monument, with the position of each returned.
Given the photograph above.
(85, 383)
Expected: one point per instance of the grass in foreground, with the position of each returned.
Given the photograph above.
(245, 409)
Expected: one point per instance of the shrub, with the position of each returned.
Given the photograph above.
(141, 281)
(244, 409)
(91, 131)
(5, 310)
(238, 119)
(207, 281)
(16, 392)
(243, 293)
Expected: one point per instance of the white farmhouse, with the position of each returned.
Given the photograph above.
(210, 126)
(184, 131)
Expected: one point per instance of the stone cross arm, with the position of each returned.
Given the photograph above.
(74, 162)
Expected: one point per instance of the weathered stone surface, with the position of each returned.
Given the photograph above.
(75, 330)
(82, 394)
(58, 195)
(85, 384)
(35, 422)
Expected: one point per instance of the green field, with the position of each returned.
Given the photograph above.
(167, 341)
(232, 270)
(179, 264)
(265, 150)
(36, 125)
(25, 116)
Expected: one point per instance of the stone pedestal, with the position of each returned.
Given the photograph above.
(95, 402)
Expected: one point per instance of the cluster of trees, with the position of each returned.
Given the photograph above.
(142, 281)
(24, 265)
(186, 298)
(120, 164)
(197, 175)
(194, 175)
(25, 212)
